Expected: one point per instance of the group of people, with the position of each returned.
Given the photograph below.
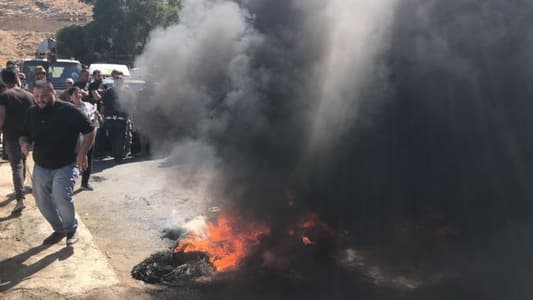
(61, 135)
(107, 114)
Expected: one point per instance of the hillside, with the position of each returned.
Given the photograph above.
(25, 23)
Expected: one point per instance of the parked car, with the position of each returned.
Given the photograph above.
(106, 69)
(58, 71)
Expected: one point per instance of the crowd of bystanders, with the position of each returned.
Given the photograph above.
(63, 132)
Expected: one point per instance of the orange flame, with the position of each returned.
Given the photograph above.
(312, 227)
(227, 242)
(312, 220)
(306, 240)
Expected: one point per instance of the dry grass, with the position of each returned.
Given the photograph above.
(25, 23)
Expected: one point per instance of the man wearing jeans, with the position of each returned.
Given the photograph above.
(53, 128)
(13, 105)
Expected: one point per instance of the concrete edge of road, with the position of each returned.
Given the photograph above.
(26, 265)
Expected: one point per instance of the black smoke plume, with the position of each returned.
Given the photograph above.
(379, 115)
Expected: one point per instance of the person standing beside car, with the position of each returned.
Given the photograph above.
(83, 83)
(22, 81)
(95, 87)
(89, 110)
(39, 73)
(95, 97)
(69, 83)
(115, 120)
(11, 65)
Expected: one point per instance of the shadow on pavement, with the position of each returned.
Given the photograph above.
(11, 196)
(8, 200)
(13, 270)
(101, 164)
(12, 216)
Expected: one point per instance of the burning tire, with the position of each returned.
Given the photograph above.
(173, 269)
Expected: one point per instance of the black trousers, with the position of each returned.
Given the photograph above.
(117, 137)
(4, 147)
(87, 173)
(18, 166)
(101, 142)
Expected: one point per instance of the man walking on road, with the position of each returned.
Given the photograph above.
(53, 128)
(14, 102)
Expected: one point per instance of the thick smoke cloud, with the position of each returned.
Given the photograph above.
(376, 113)
(269, 85)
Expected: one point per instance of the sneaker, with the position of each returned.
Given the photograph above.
(19, 207)
(72, 238)
(55, 237)
(87, 187)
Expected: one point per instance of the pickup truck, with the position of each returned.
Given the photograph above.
(58, 71)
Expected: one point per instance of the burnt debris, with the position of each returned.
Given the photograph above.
(173, 269)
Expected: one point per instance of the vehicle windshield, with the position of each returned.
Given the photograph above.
(58, 72)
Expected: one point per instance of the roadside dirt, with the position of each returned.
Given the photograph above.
(19, 44)
(24, 24)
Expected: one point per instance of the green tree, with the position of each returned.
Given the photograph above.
(119, 30)
(70, 41)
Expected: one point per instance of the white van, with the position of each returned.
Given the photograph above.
(106, 69)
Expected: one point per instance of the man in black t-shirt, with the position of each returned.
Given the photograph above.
(53, 128)
(11, 65)
(83, 83)
(39, 73)
(95, 96)
(95, 88)
(13, 105)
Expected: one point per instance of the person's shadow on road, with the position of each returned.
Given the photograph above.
(101, 165)
(13, 270)
(11, 216)
(8, 199)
